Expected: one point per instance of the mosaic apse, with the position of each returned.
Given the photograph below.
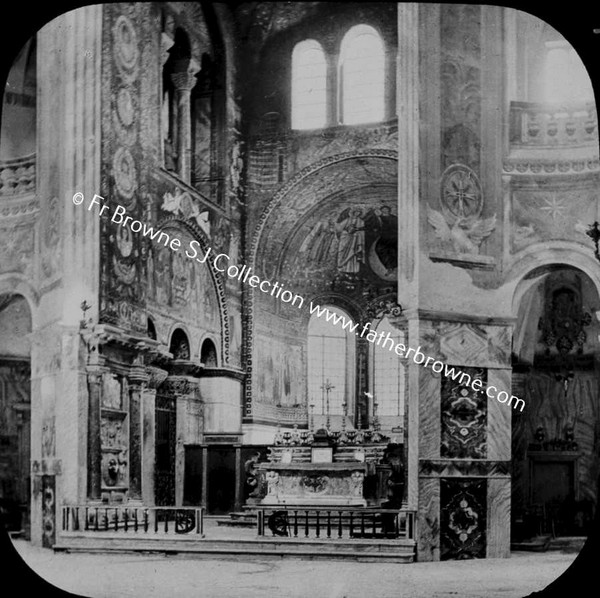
(463, 508)
(464, 417)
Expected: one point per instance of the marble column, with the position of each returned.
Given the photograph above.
(407, 106)
(184, 80)
(156, 376)
(94, 460)
(137, 382)
(332, 113)
(204, 498)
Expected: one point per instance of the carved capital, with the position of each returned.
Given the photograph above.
(94, 374)
(137, 375)
(156, 376)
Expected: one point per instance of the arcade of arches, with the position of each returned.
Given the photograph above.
(401, 164)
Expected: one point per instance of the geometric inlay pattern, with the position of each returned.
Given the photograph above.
(464, 416)
(463, 510)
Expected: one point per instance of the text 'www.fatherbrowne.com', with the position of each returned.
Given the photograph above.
(384, 340)
(221, 262)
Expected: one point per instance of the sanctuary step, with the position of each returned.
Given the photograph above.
(364, 550)
(238, 519)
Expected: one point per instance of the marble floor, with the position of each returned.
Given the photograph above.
(133, 575)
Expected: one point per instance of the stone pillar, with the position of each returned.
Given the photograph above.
(332, 114)
(390, 84)
(94, 459)
(156, 377)
(184, 81)
(137, 382)
(407, 106)
(204, 499)
(238, 478)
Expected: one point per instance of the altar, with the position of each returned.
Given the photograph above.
(346, 468)
(314, 484)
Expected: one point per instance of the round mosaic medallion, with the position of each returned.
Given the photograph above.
(126, 42)
(461, 196)
(125, 107)
(124, 172)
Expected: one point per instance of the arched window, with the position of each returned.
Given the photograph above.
(566, 80)
(170, 114)
(331, 363)
(208, 354)
(362, 76)
(388, 372)
(309, 85)
(151, 329)
(180, 345)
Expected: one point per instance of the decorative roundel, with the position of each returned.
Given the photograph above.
(461, 192)
(125, 107)
(124, 241)
(124, 172)
(127, 52)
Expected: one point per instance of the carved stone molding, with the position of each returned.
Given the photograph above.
(156, 376)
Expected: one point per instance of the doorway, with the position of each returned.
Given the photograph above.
(221, 479)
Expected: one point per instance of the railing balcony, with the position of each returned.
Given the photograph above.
(138, 520)
(17, 176)
(537, 125)
(337, 522)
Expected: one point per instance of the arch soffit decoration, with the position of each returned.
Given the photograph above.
(534, 257)
(17, 284)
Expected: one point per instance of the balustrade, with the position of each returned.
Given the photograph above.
(548, 125)
(17, 176)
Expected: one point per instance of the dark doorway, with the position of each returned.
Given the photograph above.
(221, 479)
(192, 478)
(164, 472)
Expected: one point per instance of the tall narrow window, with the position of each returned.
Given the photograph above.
(388, 372)
(331, 365)
(309, 85)
(362, 76)
(565, 76)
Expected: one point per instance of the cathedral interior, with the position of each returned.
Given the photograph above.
(428, 170)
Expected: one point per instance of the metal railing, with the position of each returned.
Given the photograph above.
(164, 520)
(336, 522)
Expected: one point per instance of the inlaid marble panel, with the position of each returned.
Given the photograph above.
(428, 527)
(464, 416)
(499, 417)
(463, 518)
(475, 345)
(429, 414)
(498, 518)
